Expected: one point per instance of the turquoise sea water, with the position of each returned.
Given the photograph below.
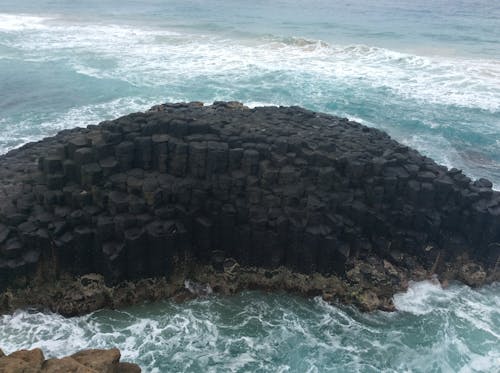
(427, 72)
(435, 330)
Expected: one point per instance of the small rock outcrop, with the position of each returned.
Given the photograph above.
(87, 361)
(266, 188)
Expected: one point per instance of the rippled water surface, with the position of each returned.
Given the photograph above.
(427, 72)
(434, 330)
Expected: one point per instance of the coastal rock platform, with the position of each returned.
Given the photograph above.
(269, 198)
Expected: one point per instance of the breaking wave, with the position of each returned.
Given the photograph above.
(253, 331)
(152, 57)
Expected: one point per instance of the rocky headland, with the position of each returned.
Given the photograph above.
(157, 204)
(87, 361)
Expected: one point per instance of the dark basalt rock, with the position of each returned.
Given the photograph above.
(268, 187)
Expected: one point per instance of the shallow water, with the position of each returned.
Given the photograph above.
(434, 330)
(427, 72)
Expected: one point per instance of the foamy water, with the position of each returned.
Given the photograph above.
(20, 22)
(426, 72)
(434, 330)
(153, 57)
(445, 104)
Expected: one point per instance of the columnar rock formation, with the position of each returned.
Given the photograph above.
(268, 187)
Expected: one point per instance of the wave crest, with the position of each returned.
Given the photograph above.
(153, 57)
(20, 22)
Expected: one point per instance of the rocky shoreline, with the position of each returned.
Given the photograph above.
(268, 198)
(87, 361)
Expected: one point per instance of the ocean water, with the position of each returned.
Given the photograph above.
(435, 330)
(427, 72)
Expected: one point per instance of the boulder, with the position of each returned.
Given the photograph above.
(13, 365)
(103, 361)
(34, 359)
(65, 365)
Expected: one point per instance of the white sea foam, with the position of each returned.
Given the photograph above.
(30, 130)
(152, 57)
(250, 333)
(436, 147)
(475, 162)
(20, 22)
(421, 297)
(254, 104)
(266, 71)
(54, 333)
(270, 333)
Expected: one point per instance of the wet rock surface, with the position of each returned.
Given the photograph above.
(87, 361)
(223, 186)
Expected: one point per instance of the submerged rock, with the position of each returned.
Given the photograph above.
(262, 196)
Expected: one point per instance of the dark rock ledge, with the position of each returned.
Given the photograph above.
(270, 198)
